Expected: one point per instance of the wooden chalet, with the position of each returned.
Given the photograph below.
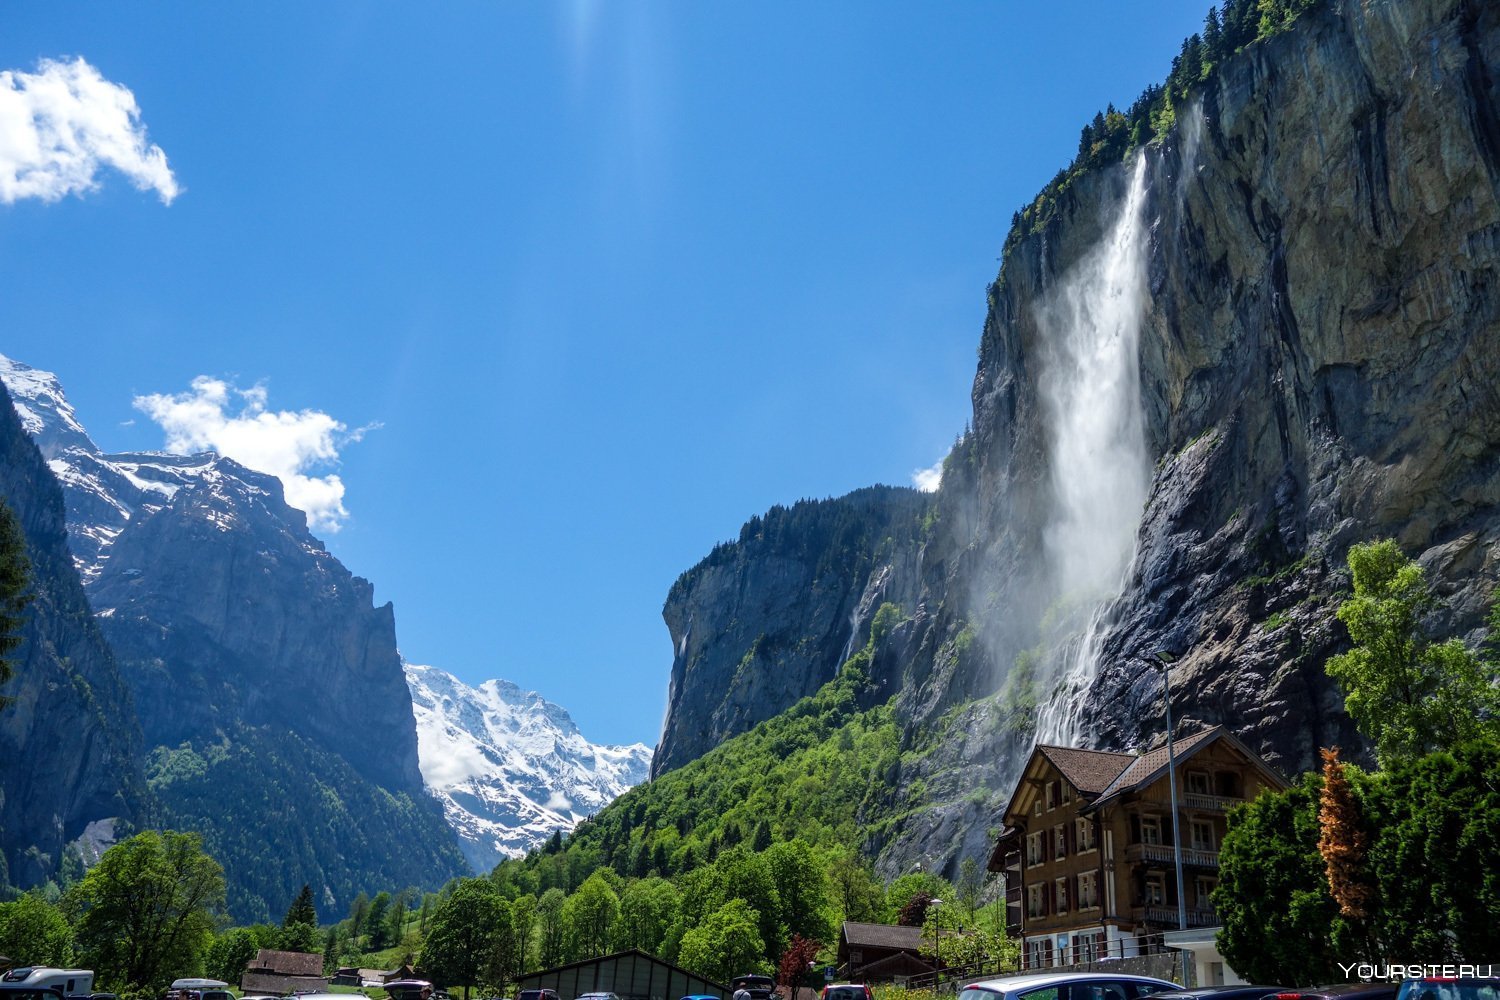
(880, 953)
(284, 973)
(1087, 844)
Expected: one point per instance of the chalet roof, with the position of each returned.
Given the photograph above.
(858, 935)
(270, 982)
(287, 963)
(1152, 764)
(1089, 771)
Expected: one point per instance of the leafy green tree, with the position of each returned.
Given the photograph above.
(359, 915)
(1435, 835)
(590, 915)
(1407, 693)
(461, 942)
(1280, 925)
(33, 932)
(748, 877)
(145, 913)
(523, 925)
(15, 591)
(300, 937)
(230, 954)
(801, 883)
(302, 910)
(859, 895)
(725, 945)
(552, 930)
(502, 966)
(377, 921)
(647, 909)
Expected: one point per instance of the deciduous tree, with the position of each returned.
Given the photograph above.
(145, 913)
(725, 945)
(461, 941)
(33, 932)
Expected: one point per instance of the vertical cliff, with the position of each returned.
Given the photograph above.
(1307, 272)
(69, 744)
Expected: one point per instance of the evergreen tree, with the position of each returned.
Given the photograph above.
(302, 910)
(15, 591)
(377, 922)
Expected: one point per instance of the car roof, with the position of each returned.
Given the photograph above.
(1010, 984)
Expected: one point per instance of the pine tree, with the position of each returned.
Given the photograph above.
(302, 910)
(15, 591)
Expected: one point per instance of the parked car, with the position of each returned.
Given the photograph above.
(1341, 991)
(847, 991)
(538, 995)
(1449, 989)
(1067, 986)
(700, 996)
(1220, 993)
(759, 987)
(598, 996)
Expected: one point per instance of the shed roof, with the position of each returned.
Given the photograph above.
(287, 963)
(894, 936)
(270, 982)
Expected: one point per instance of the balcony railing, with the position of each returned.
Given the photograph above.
(1197, 916)
(1193, 801)
(1162, 854)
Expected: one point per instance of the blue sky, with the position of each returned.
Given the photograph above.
(606, 279)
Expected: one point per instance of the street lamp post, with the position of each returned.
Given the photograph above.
(1164, 661)
(937, 943)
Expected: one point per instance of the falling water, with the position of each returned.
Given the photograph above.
(1089, 383)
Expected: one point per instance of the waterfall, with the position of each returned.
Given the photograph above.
(1089, 385)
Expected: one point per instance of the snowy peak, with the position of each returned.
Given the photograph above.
(44, 409)
(510, 767)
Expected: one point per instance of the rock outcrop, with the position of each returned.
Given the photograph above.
(766, 620)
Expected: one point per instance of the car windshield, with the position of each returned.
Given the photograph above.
(1451, 989)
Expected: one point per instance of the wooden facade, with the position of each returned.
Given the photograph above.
(1087, 844)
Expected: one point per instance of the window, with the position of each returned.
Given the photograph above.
(1064, 795)
(1156, 891)
(1088, 890)
(1039, 956)
(1084, 834)
(1204, 886)
(1060, 888)
(1036, 849)
(1051, 795)
(1036, 807)
(1036, 906)
(1202, 833)
(1150, 830)
(1198, 783)
(1060, 841)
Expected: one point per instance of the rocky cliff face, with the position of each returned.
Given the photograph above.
(1315, 252)
(242, 640)
(767, 619)
(69, 746)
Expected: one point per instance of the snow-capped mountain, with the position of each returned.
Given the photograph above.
(510, 767)
(102, 492)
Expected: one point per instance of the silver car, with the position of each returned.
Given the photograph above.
(1066, 986)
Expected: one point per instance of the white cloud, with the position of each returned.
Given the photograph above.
(216, 415)
(929, 479)
(61, 124)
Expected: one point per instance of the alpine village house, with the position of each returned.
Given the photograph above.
(1086, 844)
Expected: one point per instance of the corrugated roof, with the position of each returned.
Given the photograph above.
(882, 936)
(1089, 771)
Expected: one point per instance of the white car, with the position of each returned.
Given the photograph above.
(1066, 986)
